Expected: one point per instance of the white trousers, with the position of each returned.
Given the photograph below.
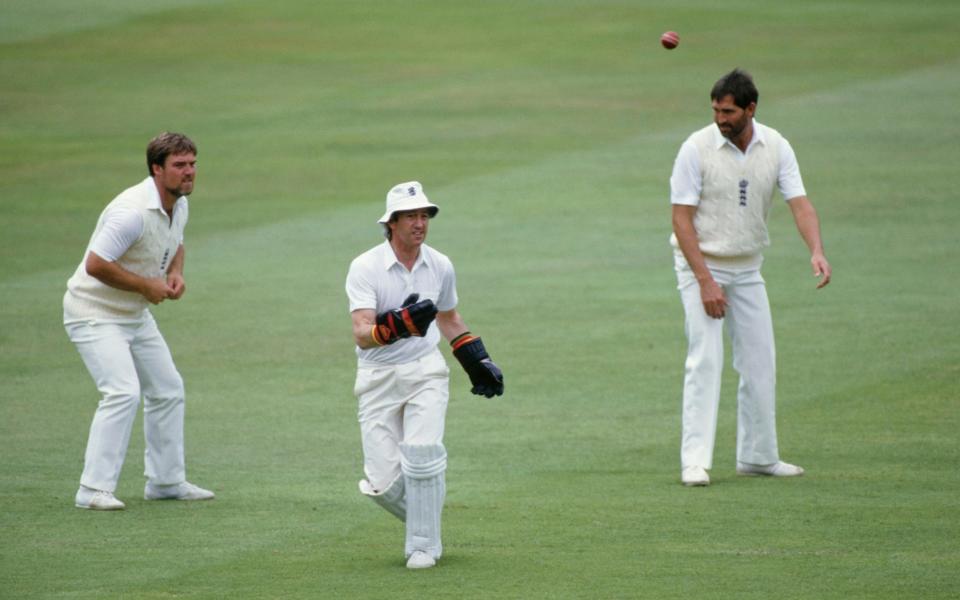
(404, 403)
(750, 327)
(127, 360)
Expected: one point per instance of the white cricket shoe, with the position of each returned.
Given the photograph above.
(694, 476)
(177, 491)
(420, 560)
(777, 469)
(92, 499)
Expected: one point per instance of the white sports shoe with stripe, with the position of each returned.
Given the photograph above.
(420, 560)
(694, 476)
(777, 469)
(177, 491)
(92, 499)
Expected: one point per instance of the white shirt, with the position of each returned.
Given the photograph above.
(135, 232)
(686, 182)
(122, 226)
(378, 281)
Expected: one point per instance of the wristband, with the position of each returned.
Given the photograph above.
(376, 336)
(460, 340)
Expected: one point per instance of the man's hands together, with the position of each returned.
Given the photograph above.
(412, 318)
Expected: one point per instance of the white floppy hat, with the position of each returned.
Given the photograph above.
(407, 196)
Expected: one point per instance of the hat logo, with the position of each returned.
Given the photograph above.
(412, 191)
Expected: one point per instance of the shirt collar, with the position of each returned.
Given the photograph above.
(390, 259)
(758, 138)
(154, 203)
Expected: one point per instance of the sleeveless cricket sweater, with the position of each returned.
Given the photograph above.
(89, 298)
(731, 219)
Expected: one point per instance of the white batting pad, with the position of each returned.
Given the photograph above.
(423, 472)
(391, 499)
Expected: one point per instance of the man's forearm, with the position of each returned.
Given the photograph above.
(808, 223)
(689, 242)
(112, 274)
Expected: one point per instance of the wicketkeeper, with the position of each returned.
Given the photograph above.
(403, 296)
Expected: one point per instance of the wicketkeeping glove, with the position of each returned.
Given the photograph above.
(486, 377)
(412, 318)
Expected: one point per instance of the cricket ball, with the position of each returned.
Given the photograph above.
(670, 40)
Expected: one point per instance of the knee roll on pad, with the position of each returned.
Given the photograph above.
(423, 462)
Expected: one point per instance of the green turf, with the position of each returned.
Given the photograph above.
(546, 132)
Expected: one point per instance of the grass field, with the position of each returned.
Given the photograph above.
(546, 131)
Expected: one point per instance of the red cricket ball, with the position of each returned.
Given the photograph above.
(670, 40)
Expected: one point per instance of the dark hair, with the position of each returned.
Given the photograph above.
(166, 144)
(736, 83)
